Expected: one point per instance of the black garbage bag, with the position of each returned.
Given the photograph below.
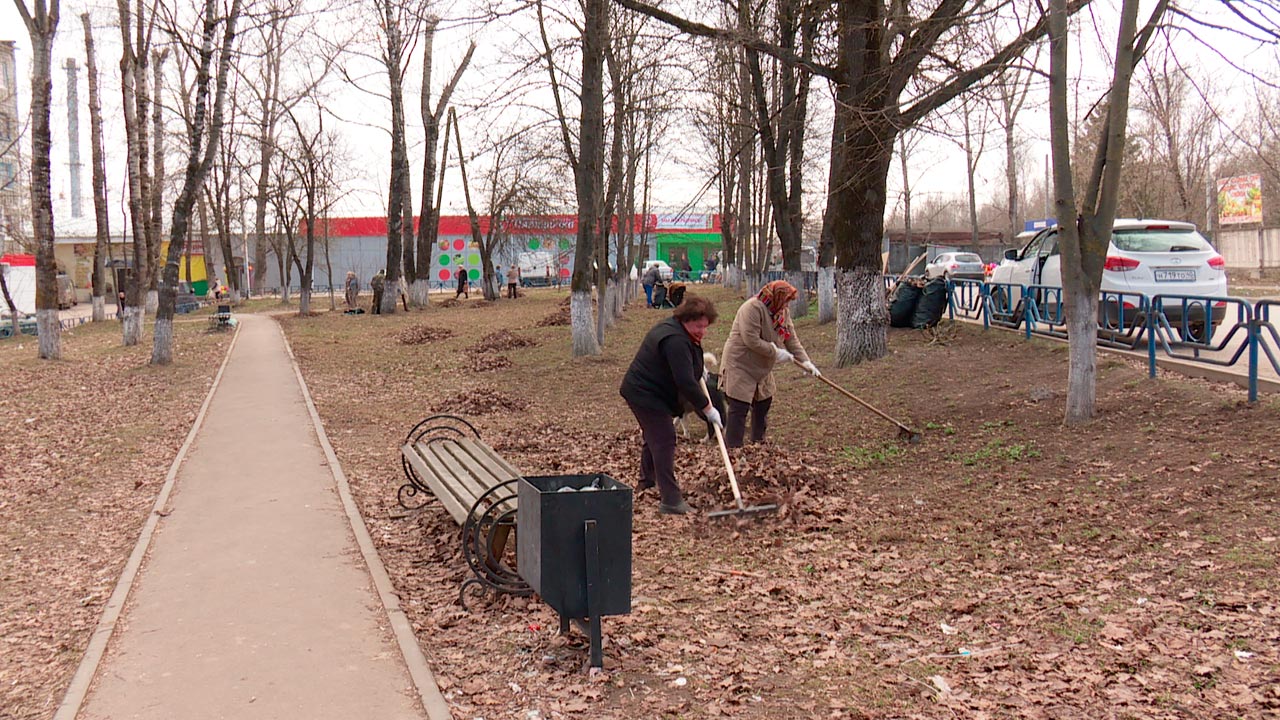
(933, 302)
(903, 306)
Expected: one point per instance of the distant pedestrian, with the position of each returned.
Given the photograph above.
(649, 279)
(513, 279)
(378, 284)
(464, 285)
(351, 290)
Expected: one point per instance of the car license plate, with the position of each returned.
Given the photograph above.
(1181, 275)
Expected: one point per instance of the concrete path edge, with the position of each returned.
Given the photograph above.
(419, 670)
(93, 654)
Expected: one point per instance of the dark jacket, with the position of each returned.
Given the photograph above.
(666, 367)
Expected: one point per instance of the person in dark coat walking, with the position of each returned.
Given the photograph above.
(464, 284)
(665, 371)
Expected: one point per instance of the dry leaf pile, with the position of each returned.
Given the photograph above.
(558, 318)
(447, 303)
(486, 362)
(500, 341)
(419, 334)
(480, 401)
(87, 443)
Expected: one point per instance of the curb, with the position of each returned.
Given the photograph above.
(93, 654)
(424, 681)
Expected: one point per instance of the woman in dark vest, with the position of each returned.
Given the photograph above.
(666, 370)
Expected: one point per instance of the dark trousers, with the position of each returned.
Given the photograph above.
(377, 302)
(735, 424)
(658, 453)
(462, 291)
(511, 291)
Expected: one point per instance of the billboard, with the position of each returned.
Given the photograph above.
(1240, 200)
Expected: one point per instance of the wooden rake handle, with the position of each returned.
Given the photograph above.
(861, 402)
(724, 452)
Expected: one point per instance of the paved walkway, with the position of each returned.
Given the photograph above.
(255, 601)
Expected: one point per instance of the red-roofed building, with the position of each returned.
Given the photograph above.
(359, 244)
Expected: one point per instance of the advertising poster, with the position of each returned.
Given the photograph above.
(1240, 200)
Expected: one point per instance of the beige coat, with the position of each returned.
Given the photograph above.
(746, 368)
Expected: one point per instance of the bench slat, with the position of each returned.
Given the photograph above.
(482, 469)
(482, 450)
(434, 480)
(466, 484)
(458, 484)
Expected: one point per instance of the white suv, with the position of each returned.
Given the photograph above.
(1148, 257)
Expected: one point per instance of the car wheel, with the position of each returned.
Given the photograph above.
(1194, 332)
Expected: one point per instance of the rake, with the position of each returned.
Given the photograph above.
(743, 510)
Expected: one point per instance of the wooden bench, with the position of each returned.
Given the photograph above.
(443, 456)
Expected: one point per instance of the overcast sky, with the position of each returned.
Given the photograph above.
(361, 117)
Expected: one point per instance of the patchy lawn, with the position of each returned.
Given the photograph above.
(1004, 567)
(84, 447)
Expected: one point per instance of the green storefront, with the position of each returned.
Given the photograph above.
(695, 247)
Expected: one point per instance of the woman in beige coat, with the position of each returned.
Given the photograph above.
(762, 336)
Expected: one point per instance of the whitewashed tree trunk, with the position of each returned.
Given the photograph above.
(153, 301)
(799, 306)
(1082, 350)
(304, 302)
(420, 292)
(284, 294)
(862, 325)
(99, 308)
(607, 320)
(235, 296)
(582, 324)
(132, 324)
(162, 342)
(826, 295)
(50, 331)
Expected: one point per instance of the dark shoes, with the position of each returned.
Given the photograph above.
(680, 508)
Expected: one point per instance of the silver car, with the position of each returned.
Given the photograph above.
(956, 266)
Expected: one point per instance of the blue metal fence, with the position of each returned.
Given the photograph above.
(1209, 330)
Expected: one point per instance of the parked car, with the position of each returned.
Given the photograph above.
(1147, 257)
(664, 270)
(956, 266)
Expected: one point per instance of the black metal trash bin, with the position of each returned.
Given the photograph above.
(574, 547)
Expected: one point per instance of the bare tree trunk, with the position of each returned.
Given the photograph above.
(589, 169)
(41, 28)
(14, 322)
(133, 78)
(206, 129)
(399, 155)
(157, 181)
(1010, 163)
(101, 217)
(1084, 242)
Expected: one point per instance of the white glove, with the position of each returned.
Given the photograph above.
(713, 416)
(781, 355)
(810, 368)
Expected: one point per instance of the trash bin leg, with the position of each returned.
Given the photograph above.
(593, 590)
